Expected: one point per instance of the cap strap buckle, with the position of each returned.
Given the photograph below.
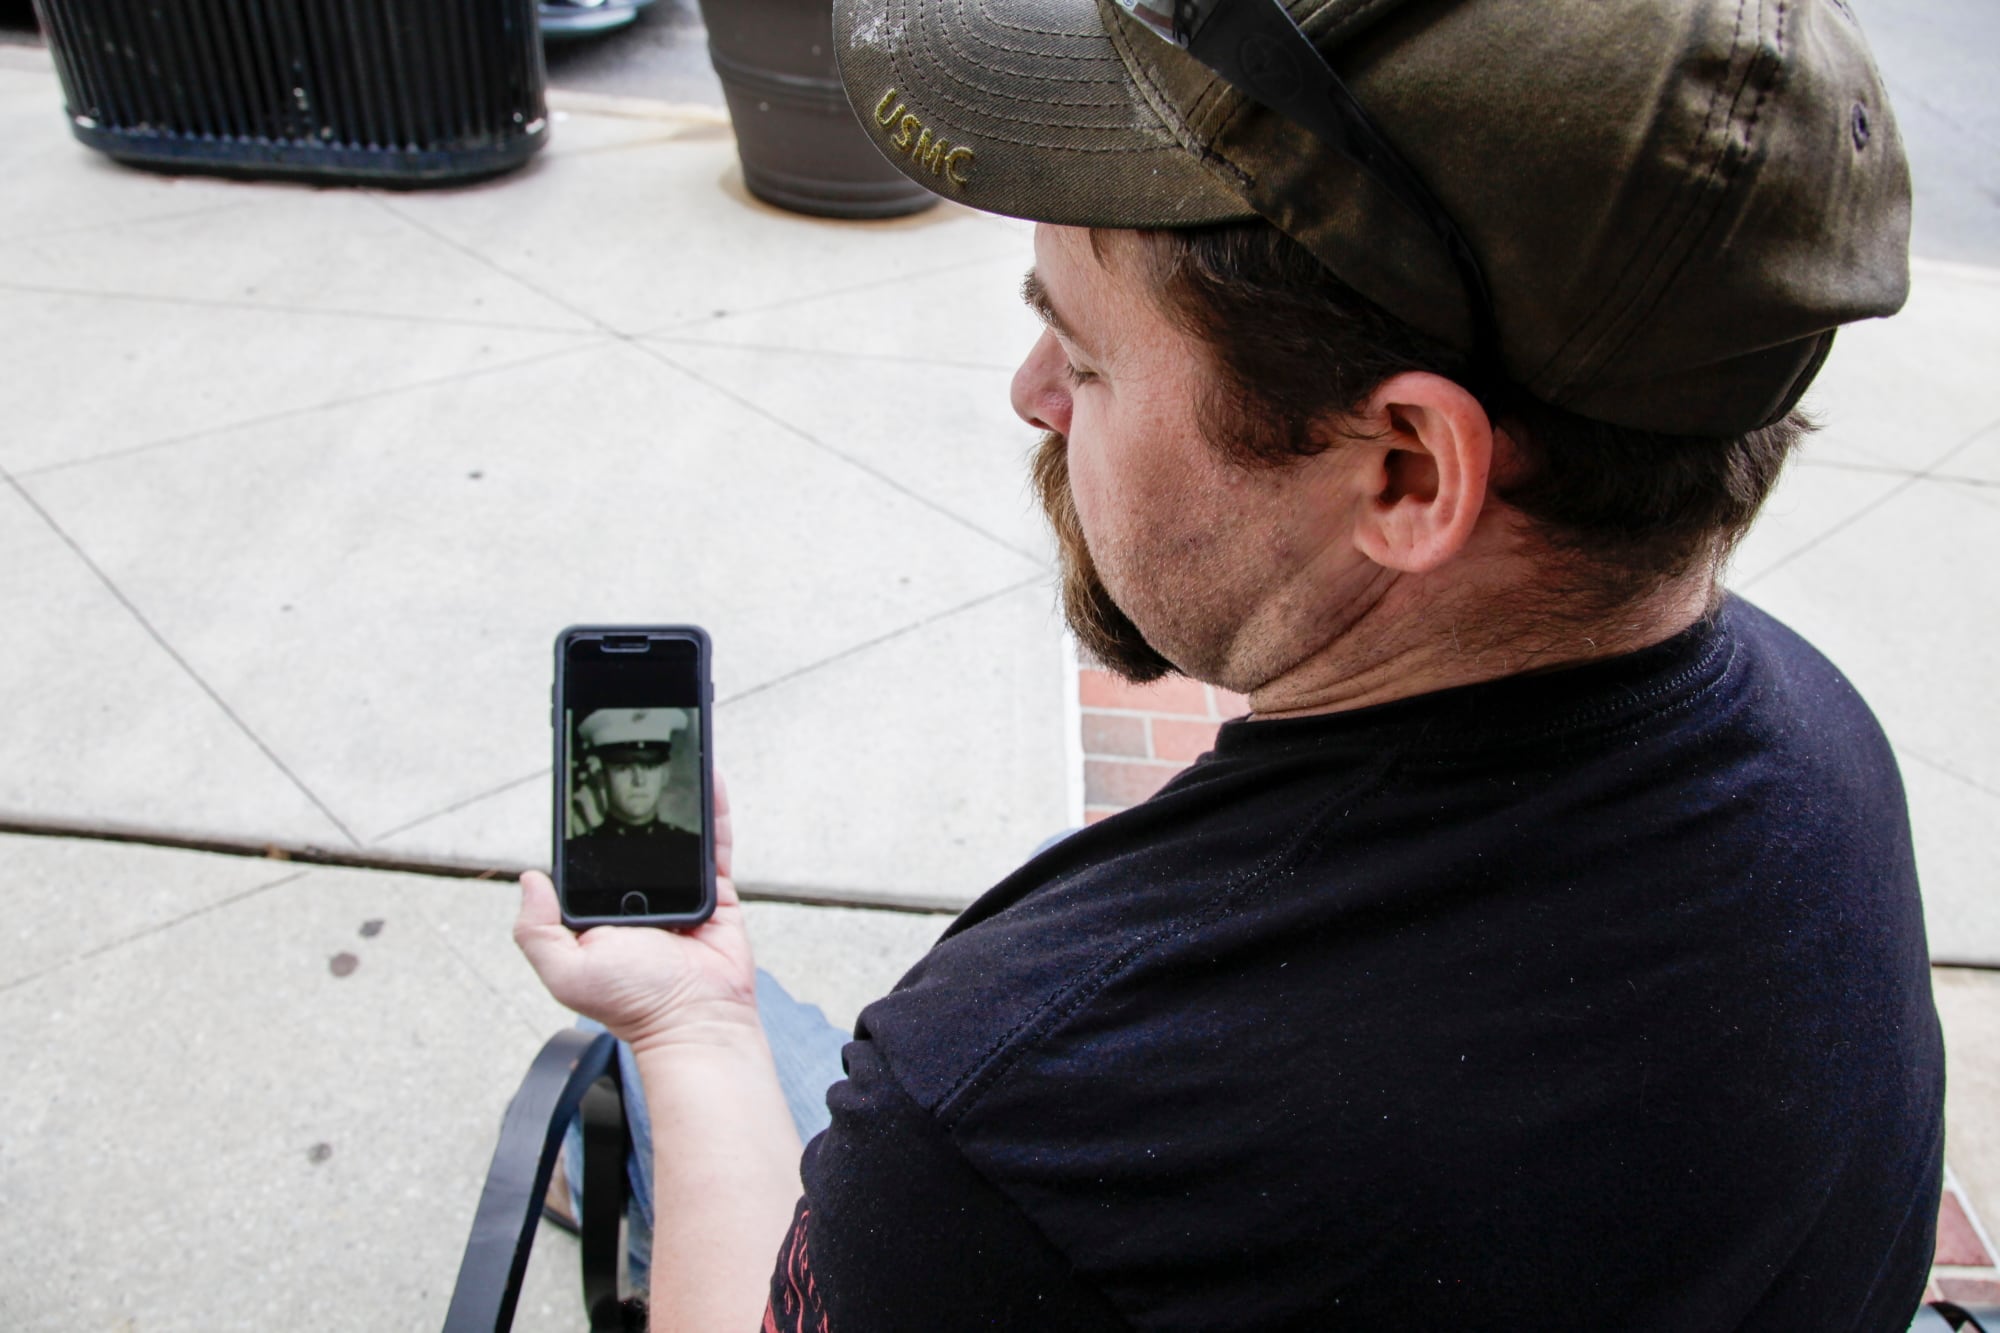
(1257, 48)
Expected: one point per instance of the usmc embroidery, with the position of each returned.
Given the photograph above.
(909, 135)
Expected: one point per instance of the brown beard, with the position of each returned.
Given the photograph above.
(1105, 633)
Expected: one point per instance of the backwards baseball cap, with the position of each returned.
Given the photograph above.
(1670, 204)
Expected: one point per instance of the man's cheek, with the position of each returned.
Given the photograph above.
(1116, 508)
(1089, 493)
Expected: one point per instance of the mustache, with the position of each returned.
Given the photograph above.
(1103, 631)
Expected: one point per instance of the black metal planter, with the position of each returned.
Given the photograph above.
(409, 92)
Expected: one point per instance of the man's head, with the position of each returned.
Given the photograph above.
(1284, 363)
(1176, 552)
(634, 745)
(1669, 206)
(636, 777)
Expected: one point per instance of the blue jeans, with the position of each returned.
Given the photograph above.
(804, 1046)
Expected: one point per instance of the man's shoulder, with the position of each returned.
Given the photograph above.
(1801, 708)
(1787, 656)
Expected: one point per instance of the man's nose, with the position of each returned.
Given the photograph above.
(1039, 394)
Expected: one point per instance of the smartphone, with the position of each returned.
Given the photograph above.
(635, 775)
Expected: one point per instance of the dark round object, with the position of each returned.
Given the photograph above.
(344, 91)
(801, 146)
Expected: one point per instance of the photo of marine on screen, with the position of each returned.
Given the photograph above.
(634, 784)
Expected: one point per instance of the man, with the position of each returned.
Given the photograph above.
(1544, 951)
(632, 746)
(629, 843)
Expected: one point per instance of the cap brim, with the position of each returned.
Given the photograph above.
(1020, 107)
(640, 749)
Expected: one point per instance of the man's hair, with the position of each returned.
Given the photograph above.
(1629, 509)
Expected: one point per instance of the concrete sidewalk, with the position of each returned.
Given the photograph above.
(316, 475)
(296, 486)
(241, 1092)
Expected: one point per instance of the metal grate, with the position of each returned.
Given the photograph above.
(409, 89)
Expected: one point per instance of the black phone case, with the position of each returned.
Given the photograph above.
(706, 907)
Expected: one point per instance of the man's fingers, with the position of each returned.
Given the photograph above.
(538, 899)
(538, 930)
(725, 837)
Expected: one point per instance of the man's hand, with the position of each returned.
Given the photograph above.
(725, 1153)
(651, 987)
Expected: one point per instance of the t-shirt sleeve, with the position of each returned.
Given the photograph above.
(896, 1231)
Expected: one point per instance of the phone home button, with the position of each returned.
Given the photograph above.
(633, 904)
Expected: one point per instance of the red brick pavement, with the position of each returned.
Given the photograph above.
(1963, 1269)
(1135, 737)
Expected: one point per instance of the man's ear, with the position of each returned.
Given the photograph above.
(1434, 452)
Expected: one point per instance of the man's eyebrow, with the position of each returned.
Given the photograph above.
(1036, 293)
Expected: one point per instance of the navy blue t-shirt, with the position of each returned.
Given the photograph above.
(1596, 999)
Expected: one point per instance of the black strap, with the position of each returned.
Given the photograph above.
(1976, 1318)
(606, 1190)
(510, 1205)
(1259, 48)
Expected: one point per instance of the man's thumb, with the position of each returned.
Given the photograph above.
(538, 930)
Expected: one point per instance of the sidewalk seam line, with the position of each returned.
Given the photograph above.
(376, 197)
(158, 927)
(443, 939)
(309, 856)
(459, 805)
(1940, 767)
(659, 354)
(39, 233)
(680, 340)
(1908, 481)
(286, 414)
(724, 700)
(881, 639)
(38, 289)
(1935, 478)
(790, 302)
(133, 610)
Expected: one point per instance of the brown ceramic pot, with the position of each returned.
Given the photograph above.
(801, 144)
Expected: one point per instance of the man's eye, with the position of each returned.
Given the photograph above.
(1077, 377)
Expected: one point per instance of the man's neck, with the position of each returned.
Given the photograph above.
(1415, 642)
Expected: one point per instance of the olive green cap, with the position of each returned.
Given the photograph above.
(1675, 202)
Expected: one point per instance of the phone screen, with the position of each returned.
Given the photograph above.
(633, 764)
